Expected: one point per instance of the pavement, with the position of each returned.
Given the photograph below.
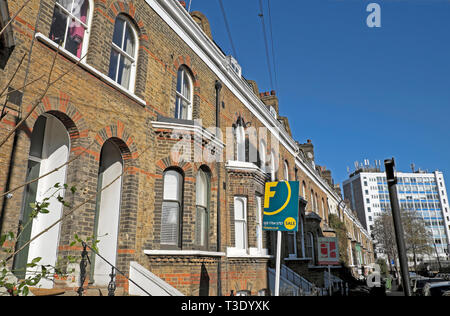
(395, 293)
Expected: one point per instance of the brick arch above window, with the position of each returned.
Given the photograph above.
(123, 139)
(211, 168)
(128, 9)
(169, 162)
(61, 107)
(185, 60)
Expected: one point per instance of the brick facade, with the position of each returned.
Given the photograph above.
(94, 111)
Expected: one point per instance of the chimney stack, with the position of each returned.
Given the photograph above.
(308, 149)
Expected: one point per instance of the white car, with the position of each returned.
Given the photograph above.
(436, 289)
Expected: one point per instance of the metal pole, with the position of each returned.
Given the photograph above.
(399, 235)
(329, 280)
(278, 265)
(218, 87)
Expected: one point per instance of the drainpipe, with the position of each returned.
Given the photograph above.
(218, 87)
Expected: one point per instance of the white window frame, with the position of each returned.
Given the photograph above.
(259, 224)
(122, 54)
(184, 73)
(272, 166)
(240, 144)
(204, 187)
(286, 171)
(179, 200)
(262, 155)
(87, 26)
(243, 221)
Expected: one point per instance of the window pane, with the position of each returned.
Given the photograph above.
(74, 41)
(178, 108)
(240, 143)
(291, 243)
(238, 209)
(59, 25)
(201, 226)
(124, 72)
(240, 235)
(129, 41)
(80, 9)
(37, 137)
(182, 107)
(202, 189)
(66, 4)
(179, 80)
(172, 185)
(118, 32)
(186, 86)
(169, 223)
(113, 61)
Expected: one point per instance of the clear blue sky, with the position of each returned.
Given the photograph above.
(357, 92)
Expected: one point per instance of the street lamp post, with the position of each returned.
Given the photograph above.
(399, 235)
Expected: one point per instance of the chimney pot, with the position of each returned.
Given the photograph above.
(309, 141)
(272, 92)
(183, 3)
(266, 94)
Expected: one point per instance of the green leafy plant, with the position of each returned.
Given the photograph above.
(35, 271)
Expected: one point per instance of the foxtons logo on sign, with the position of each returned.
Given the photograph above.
(281, 206)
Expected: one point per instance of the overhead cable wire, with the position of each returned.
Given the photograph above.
(261, 15)
(228, 29)
(273, 50)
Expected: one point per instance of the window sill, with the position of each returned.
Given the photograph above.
(44, 39)
(187, 126)
(197, 253)
(297, 259)
(244, 166)
(250, 253)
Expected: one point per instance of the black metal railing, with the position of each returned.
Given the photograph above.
(112, 283)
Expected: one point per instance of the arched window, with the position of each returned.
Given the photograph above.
(304, 190)
(122, 61)
(171, 208)
(310, 246)
(183, 106)
(107, 214)
(316, 204)
(273, 166)
(286, 171)
(203, 187)
(240, 143)
(70, 25)
(49, 149)
(240, 222)
(259, 223)
(323, 209)
(262, 155)
(313, 207)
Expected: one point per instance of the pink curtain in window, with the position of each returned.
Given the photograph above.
(77, 31)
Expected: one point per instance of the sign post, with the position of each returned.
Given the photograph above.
(278, 264)
(328, 255)
(280, 214)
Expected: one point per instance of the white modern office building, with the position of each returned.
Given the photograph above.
(367, 191)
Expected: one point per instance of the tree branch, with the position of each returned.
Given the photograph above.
(38, 101)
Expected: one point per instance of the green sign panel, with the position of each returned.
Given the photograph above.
(281, 206)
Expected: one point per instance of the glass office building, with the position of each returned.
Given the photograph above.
(424, 193)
